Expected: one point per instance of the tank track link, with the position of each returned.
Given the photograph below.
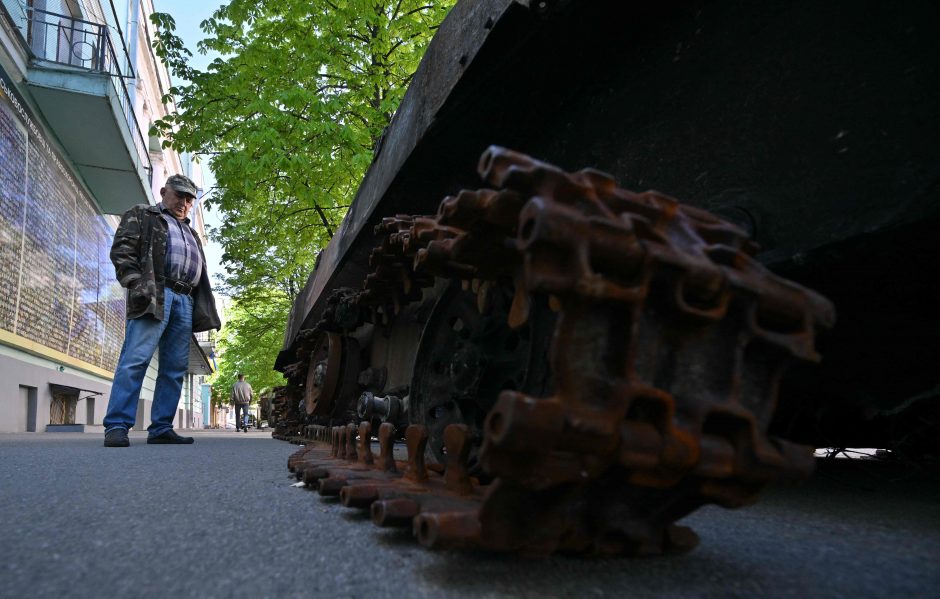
(668, 353)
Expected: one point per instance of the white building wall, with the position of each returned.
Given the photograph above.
(29, 362)
(25, 376)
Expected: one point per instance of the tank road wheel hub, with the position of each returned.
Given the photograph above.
(465, 359)
(332, 372)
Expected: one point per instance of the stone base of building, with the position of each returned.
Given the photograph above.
(75, 428)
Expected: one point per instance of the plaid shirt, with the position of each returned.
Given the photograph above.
(183, 261)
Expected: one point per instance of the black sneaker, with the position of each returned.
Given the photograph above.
(116, 437)
(169, 438)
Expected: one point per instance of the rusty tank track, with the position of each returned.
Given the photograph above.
(667, 354)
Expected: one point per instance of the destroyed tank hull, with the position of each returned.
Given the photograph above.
(576, 366)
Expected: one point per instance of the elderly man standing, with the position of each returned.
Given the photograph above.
(157, 256)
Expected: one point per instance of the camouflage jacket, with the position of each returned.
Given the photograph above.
(138, 255)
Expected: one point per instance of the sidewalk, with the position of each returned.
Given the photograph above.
(220, 518)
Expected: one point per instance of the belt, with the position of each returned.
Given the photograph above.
(179, 286)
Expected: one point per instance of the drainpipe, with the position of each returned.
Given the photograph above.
(132, 33)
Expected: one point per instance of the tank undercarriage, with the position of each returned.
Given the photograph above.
(574, 367)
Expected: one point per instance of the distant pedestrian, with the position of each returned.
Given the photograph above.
(241, 397)
(158, 257)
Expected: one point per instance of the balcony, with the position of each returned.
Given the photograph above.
(206, 344)
(78, 82)
(201, 361)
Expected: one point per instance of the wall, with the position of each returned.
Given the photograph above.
(24, 377)
(56, 280)
(61, 312)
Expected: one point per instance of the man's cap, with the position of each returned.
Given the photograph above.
(182, 184)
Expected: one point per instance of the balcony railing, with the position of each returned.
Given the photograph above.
(67, 40)
(70, 41)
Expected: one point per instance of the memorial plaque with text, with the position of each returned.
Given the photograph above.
(57, 284)
(85, 339)
(12, 210)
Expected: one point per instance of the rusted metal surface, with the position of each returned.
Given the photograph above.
(667, 355)
(829, 165)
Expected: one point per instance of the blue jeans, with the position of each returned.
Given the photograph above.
(142, 337)
(241, 416)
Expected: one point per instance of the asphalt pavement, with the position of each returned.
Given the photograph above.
(221, 518)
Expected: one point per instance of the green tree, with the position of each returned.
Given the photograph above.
(244, 345)
(288, 116)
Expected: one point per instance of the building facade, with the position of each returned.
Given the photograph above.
(79, 88)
